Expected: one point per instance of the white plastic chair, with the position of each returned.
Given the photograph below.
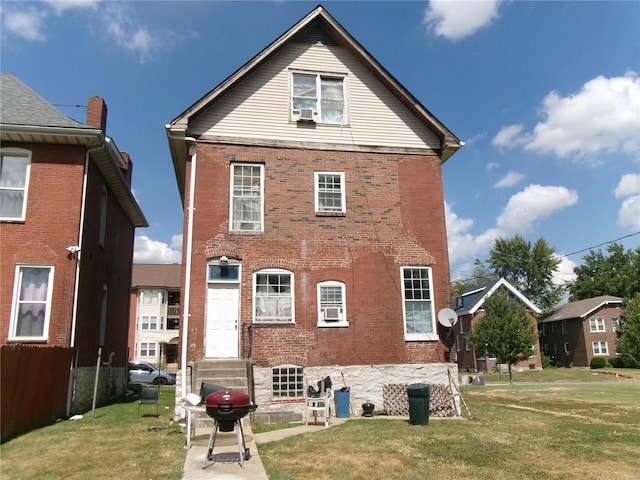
(319, 401)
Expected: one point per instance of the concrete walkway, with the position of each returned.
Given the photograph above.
(225, 464)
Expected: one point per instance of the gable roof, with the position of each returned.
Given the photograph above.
(156, 275)
(583, 308)
(27, 117)
(317, 18)
(474, 298)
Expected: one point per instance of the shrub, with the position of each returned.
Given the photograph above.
(616, 362)
(598, 362)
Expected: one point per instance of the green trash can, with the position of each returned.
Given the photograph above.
(419, 394)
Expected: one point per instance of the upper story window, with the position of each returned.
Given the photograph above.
(15, 167)
(150, 297)
(247, 198)
(318, 97)
(31, 306)
(615, 324)
(149, 322)
(596, 325)
(330, 194)
(273, 296)
(104, 201)
(563, 327)
(332, 311)
(417, 296)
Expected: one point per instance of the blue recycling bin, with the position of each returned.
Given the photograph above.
(342, 403)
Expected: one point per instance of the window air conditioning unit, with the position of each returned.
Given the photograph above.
(306, 115)
(332, 314)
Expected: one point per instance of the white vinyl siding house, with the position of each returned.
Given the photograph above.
(375, 116)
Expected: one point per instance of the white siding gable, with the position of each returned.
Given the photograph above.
(258, 107)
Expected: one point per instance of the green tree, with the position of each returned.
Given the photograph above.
(529, 268)
(616, 273)
(481, 276)
(629, 341)
(505, 332)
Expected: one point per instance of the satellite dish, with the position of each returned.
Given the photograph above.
(447, 317)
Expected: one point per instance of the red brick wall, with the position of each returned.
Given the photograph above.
(394, 217)
(51, 225)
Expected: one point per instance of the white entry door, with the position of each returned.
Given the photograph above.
(221, 336)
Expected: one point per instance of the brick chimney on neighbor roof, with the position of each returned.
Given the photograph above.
(97, 113)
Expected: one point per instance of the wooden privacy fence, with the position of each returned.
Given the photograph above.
(35, 381)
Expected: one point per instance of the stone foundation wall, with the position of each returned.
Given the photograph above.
(364, 381)
(111, 384)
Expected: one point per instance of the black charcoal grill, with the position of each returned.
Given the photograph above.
(228, 408)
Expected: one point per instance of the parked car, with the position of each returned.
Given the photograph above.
(143, 372)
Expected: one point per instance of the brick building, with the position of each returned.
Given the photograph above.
(315, 239)
(579, 331)
(67, 226)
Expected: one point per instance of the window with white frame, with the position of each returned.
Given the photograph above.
(600, 348)
(596, 325)
(150, 297)
(330, 194)
(15, 167)
(318, 97)
(418, 305)
(563, 327)
(287, 382)
(149, 322)
(273, 296)
(566, 348)
(615, 324)
(148, 349)
(331, 304)
(31, 307)
(247, 194)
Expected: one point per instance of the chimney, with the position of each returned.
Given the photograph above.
(127, 169)
(97, 113)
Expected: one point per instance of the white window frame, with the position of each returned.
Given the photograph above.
(566, 348)
(563, 327)
(426, 335)
(317, 108)
(257, 297)
(147, 322)
(146, 352)
(22, 153)
(318, 191)
(326, 313)
(597, 324)
(15, 304)
(615, 324)
(600, 348)
(259, 225)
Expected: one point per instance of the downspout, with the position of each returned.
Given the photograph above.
(187, 267)
(78, 255)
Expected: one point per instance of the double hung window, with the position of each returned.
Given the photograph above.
(600, 348)
(148, 349)
(329, 192)
(247, 194)
(322, 95)
(596, 325)
(417, 296)
(31, 307)
(15, 166)
(273, 296)
(331, 304)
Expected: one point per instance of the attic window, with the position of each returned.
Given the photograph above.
(318, 97)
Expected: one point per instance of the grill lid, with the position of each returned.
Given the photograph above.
(227, 400)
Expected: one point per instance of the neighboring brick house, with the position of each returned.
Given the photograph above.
(155, 314)
(579, 331)
(315, 239)
(468, 306)
(67, 222)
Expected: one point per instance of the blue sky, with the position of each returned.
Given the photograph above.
(545, 95)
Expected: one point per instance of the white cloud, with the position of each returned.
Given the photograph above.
(629, 214)
(601, 118)
(565, 271)
(146, 250)
(492, 166)
(533, 203)
(61, 6)
(507, 137)
(629, 185)
(127, 34)
(26, 23)
(509, 180)
(176, 242)
(463, 244)
(456, 20)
